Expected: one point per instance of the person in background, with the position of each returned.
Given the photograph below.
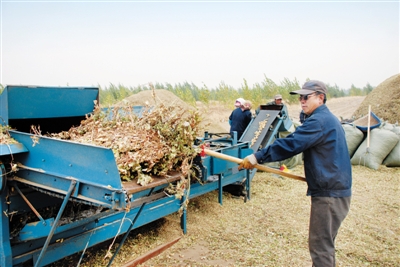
(238, 103)
(327, 168)
(247, 104)
(239, 119)
(277, 101)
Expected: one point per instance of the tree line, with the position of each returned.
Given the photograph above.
(258, 94)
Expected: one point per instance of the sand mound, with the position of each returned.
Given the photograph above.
(215, 117)
(146, 97)
(384, 101)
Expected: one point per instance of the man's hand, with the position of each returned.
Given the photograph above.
(248, 162)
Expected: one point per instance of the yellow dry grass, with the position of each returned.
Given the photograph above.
(270, 229)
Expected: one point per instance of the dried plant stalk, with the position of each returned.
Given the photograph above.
(158, 141)
(5, 137)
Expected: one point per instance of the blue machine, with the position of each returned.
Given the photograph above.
(42, 178)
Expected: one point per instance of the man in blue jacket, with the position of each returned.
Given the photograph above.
(327, 168)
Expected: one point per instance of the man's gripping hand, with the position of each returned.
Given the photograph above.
(248, 162)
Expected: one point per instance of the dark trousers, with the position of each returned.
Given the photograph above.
(327, 213)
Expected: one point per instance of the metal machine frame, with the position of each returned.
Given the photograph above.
(39, 173)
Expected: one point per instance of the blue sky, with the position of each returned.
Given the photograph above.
(90, 43)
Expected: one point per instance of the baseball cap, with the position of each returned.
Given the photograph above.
(278, 97)
(311, 87)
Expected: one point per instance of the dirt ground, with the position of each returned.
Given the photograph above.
(384, 101)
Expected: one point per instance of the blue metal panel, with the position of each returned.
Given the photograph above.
(49, 102)
(201, 189)
(36, 230)
(4, 107)
(12, 149)
(86, 162)
(218, 165)
(244, 152)
(222, 166)
(52, 164)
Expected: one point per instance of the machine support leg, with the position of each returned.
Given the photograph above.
(184, 215)
(220, 188)
(129, 229)
(248, 184)
(53, 228)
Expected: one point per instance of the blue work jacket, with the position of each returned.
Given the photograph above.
(327, 164)
(239, 121)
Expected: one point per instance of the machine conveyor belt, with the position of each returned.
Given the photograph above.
(133, 187)
(260, 130)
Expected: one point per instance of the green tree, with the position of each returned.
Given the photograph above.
(288, 86)
(204, 95)
(269, 89)
(354, 91)
(246, 91)
(223, 93)
(334, 91)
(367, 89)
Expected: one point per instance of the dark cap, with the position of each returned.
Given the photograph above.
(311, 87)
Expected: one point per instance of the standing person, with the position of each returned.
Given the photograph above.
(327, 168)
(238, 102)
(247, 104)
(277, 101)
(239, 119)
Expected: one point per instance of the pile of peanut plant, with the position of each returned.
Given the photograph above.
(157, 141)
(5, 137)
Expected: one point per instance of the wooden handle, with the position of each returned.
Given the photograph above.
(257, 166)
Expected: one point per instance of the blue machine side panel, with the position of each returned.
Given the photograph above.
(4, 107)
(12, 149)
(88, 163)
(244, 152)
(221, 165)
(49, 102)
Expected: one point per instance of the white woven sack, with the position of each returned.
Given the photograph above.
(393, 159)
(387, 126)
(354, 137)
(381, 144)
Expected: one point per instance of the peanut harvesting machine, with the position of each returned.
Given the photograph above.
(60, 197)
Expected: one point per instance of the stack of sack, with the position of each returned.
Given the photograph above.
(383, 147)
